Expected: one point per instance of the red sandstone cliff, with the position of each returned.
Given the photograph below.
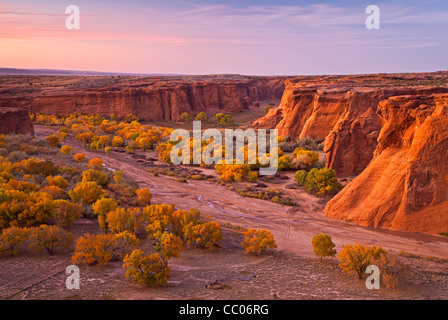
(15, 120)
(341, 110)
(405, 187)
(150, 98)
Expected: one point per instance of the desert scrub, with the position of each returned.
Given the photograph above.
(307, 143)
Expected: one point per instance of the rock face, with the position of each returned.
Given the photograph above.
(405, 187)
(149, 98)
(15, 120)
(350, 145)
(341, 110)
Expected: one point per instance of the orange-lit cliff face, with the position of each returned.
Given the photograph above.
(342, 110)
(149, 98)
(405, 187)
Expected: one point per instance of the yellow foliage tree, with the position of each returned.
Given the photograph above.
(57, 181)
(66, 212)
(54, 191)
(118, 176)
(104, 140)
(54, 140)
(256, 241)
(304, 158)
(117, 141)
(168, 246)
(99, 177)
(87, 192)
(158, 216)
(233, 172)
(66, 149)
(101, 208)
(205, 235)
(144, 269)
(323, 246)
(144, 196)
(182, 218)
(100, 249)
(164, 151)
(356, 258)
(11, 239)
(95, 163)
(120, 220)
(24, 208)
(50, 238)
(79, 157)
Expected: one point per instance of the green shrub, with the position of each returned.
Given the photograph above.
(320, 180)
(223, 119)
(300, 177)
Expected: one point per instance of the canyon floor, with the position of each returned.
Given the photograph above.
(290, 272)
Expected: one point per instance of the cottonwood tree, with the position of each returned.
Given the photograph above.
(101, 208)
(95, 163)
(205, 235)
(79, 157)
(11, 240)
(144, 196)
(87, 192)
(66, 212)
(120, 220)
(168, 246)
(50, 238)
(356, 258)
(100, 249)
(257, 241)
(148, 270)
(323, 246)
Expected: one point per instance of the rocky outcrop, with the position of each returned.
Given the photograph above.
(339, 110)
(405, 187)
(149, 98)
(15, 120)
(350, 145)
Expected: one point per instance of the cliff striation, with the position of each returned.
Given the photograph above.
(149, 98)
(342, 111)
(405, 187)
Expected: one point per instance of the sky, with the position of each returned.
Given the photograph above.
(281, 37)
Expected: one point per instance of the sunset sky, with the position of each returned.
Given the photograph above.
(235, 36)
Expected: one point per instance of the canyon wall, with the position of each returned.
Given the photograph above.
(344, 115)
(148, 98)
(15, 120)
(405, 187)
